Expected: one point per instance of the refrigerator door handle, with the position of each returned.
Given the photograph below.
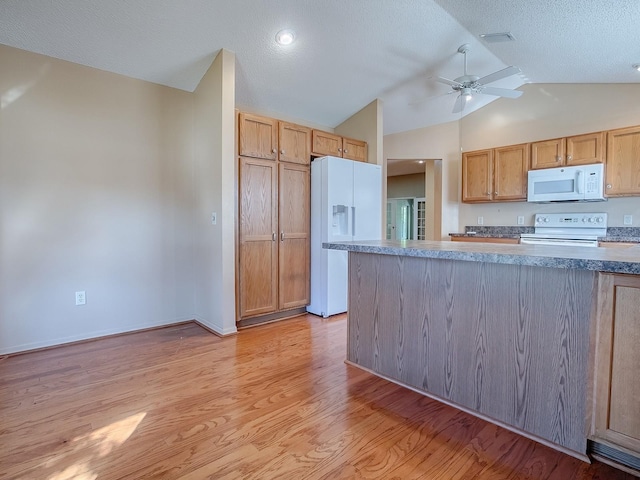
(353, 221)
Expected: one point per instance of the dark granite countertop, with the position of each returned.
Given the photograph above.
(615, 260)
(614, 234)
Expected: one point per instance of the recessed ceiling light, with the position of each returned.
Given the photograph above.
(285, 37)
(636, 66)
(497, 37)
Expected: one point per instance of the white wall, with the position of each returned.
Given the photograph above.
(547, 111)
(215, 190)
(95, 195)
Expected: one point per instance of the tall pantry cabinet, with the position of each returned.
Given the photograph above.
(274, 222)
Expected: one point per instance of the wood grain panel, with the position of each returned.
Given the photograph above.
(586, 149)
(477, 176)
(324, 143)
(294, 250)
(625, 365)
(294, 143)
(258, 136)
(510, 342)
(510, 167)
(258, 249)
(354, 149)
(623, 167)
(617, 362)
(548, 153)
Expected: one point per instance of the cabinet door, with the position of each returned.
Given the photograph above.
(511, 165)
(623, 162)
(294, 254)
(294, 142)
(585, 149)
(354, 149)
(324, 143)
(547, 154)
(258, 136)
(477, 176)
(617, 362)
(258, 246)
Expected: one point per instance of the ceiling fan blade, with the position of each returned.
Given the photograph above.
(458, 107)
(446, 81)
(500, 92)
(500, 74)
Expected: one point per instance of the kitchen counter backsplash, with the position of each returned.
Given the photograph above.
(614, 234)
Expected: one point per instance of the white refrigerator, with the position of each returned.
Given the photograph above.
(346, 205)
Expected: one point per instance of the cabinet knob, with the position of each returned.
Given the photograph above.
(495, 193)
(273, 236)
(569, 158)
(281, 152)
(558, 158)
(274, 150)
(339, 149)
(345, 150)
(608, 185)
(282, 236)
(488, 194)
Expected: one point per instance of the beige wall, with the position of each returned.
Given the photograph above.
(548, 111)
(400, 186)
(366, 125)
(95, 194)
(441, 145)
(214, 189)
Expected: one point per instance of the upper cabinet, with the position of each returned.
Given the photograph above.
(623, 162)
(324, 143)
(271, 139)
(498, 175)
(294, 143)
(569, 151)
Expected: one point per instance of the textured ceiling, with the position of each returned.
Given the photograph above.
(347, 53)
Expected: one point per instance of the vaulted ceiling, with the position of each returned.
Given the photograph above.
(346, 53)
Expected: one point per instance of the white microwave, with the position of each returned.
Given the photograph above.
(567, 184)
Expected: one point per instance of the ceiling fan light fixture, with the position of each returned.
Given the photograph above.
(636, 66)
(497, 37)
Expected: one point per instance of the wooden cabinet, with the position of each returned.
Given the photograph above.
(616, 418)
(513, 241)
(498, 174)
(271, 139)
(294, 249)
(354, 149)
(577, 150)
(274, 223)
(258, 136)
(258, 249)
(623, 162)
(294, 143)
(325, 143)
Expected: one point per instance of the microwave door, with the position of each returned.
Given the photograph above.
(556, 187)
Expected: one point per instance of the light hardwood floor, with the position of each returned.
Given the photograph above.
(273, 402)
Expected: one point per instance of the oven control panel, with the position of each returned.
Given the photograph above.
(571, 220)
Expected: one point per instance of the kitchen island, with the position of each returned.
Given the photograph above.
(505, 332)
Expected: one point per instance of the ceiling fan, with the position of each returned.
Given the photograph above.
(468, 85)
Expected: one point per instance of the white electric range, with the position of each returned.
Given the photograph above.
(568, 229)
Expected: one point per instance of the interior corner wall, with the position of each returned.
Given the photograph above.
(95, 196)
(547, 111)
(366, 125)
(215, 174)
(440, 142)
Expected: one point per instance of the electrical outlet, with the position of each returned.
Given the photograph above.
(628, 219)
(480, 220)
(214, 218)
(81, 298)
(520, 219)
